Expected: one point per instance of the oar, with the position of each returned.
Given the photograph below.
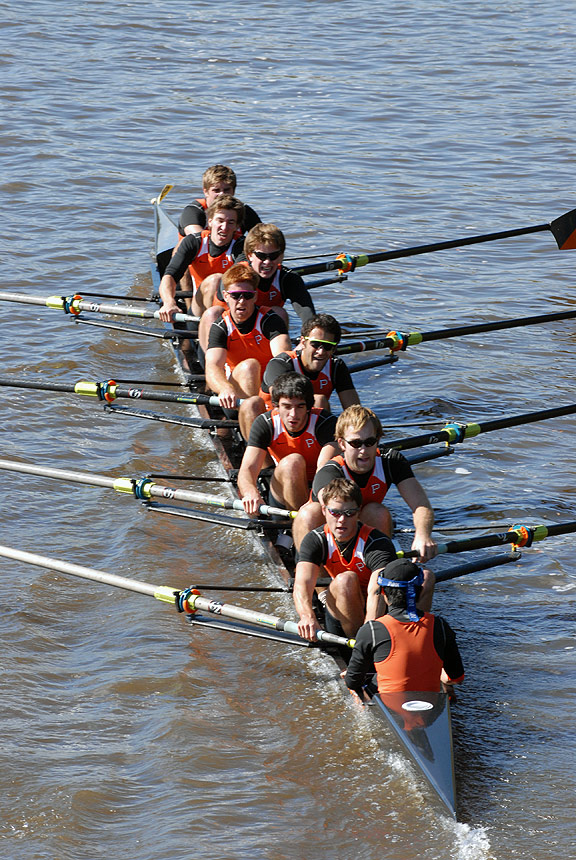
(109, 391)
(141, 488)
(396, 341)
(453, 433)
(159, 334)
(180, 420)
(562, 228)
(518, 535)
(184, 600)
(76, 304)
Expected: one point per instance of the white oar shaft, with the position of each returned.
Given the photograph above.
(148, 488)
(79, 570)
(78, 304)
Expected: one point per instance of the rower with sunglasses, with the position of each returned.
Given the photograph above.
(314, 358)
(358, 432)
(264, 248)
(243, 341)
(352, 553)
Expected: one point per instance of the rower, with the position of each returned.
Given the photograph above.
(217, 181)
(352, 553)
(358, 432)
(291, 436)
(412, 650)
(264, 248)
(314, 358)
(211, 252)
(243, 341)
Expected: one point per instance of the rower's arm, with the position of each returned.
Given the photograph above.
(327, 452)
(250, 468)
(216, 377)
(167, 292)
(415, 497)
(280, 343)
(374, 607)
(304, 582)
(349, 398)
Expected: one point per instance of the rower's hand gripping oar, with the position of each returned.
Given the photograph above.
(563, 229)
(518, 535)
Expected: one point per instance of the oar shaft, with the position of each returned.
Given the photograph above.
(454, 433)
(414, 338)
(143, 488)
(79, 570)
(382, 256)
(518, 535)
(192, 602)
(241, 614)
(110, 390)
(75, 304)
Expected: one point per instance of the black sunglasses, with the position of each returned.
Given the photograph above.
(350, 512)
(362, 443)
(267, 255)
(241, 294)
(327, 345)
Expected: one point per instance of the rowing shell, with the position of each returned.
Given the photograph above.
(420, 721)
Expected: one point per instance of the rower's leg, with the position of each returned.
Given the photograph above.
(289, 482)
(207, 291)
(378, 516)
(309, 518)
(248, 412)
(246, 377)
(346, 603)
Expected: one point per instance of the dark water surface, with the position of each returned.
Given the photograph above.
(354, 126)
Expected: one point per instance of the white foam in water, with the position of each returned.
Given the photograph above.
(471, 843)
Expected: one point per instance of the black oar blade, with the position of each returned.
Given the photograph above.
(564, 230)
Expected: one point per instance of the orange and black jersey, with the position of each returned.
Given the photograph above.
(378, 550)
(284, 286)
(395, 467)
(334, 375)
(271, 325)
(194, 215)
(188, 249)
(374, 646)
(267, 432)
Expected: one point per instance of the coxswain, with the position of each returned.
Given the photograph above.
(412, 650)
(217, 181)
(291, 437)
(358, 432)
(314, 358)
(352, 553)
(264, 248)
(204, 255)
(243, 341)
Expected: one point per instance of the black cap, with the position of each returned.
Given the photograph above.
(401, 570)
